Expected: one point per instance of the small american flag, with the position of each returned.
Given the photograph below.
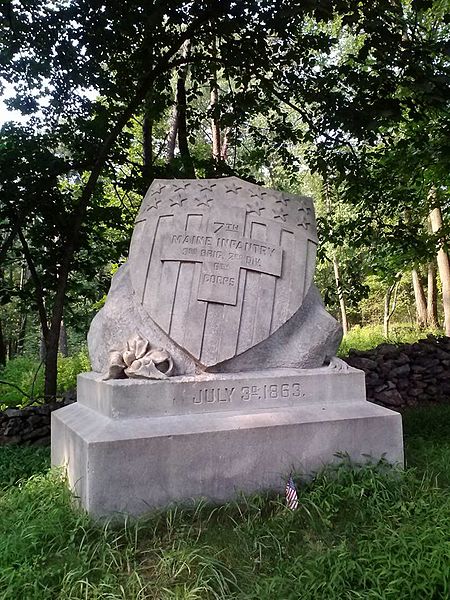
(291, 494)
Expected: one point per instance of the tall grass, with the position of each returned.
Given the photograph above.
(370, 336)
(359, 533)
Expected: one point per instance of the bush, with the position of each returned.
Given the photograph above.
(68, 369)
(23, 371)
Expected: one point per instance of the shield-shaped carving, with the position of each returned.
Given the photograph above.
(221, 264)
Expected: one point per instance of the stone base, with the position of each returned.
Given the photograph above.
(130, 446)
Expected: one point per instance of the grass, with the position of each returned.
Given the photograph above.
(360, 533)
(370, 336)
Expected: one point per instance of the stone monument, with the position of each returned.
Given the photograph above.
(213, 359)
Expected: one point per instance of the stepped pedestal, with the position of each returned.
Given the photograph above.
(133, 445)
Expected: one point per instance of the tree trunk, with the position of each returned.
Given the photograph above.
(178, 126)
(147, 147)
(388, 309)
(443, 266)
(421, 303)
(63, 349)
(22, 332)
(8, 241)
(432, 316)
(23, 313)
(183, 144)
(42, 348)
(343, 308)
(215, 125)
(175, 121)
(51, 365)
(3, 343)
(224, 149)
(2, 347)
(214, 107)
(171, 142)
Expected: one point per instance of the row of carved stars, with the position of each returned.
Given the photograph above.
(257, 207)
(304, 213)
(199, 187)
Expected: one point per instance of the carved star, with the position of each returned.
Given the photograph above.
(304, 217)
(255, 208)
(158, 191)
(178, 201)
(232, 188)
(283, 200)
(207, 188)
(155, 204)
(279, 214)
(181, 187)
(206, 202)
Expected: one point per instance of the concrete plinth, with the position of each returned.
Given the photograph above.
(130, 446)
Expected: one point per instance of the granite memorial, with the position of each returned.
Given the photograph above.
(213, 359)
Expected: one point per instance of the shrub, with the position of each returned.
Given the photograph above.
(68, 369)
(23, 371)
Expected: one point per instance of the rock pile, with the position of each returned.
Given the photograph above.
(406, 374)
(28, 426)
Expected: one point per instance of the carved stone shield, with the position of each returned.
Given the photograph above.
(221, 264)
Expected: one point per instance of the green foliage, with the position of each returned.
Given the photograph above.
(27, 374)
(356, 92)
(19, 463)
(370, 336)
(427, 439)
(360, 533)
(371, 308)
(68, 369)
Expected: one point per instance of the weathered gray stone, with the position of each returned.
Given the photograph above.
(400, 371)
(129, 458)
(390, 398)
(119, 319)
(366, 364)
(13, 412)
(220, 276)
(240, 392)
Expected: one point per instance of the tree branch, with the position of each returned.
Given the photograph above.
(9, 240)
(16, 387)
(165, 63)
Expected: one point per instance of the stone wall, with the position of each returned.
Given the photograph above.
(28, 426)
(406, 374)
(396, 376)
